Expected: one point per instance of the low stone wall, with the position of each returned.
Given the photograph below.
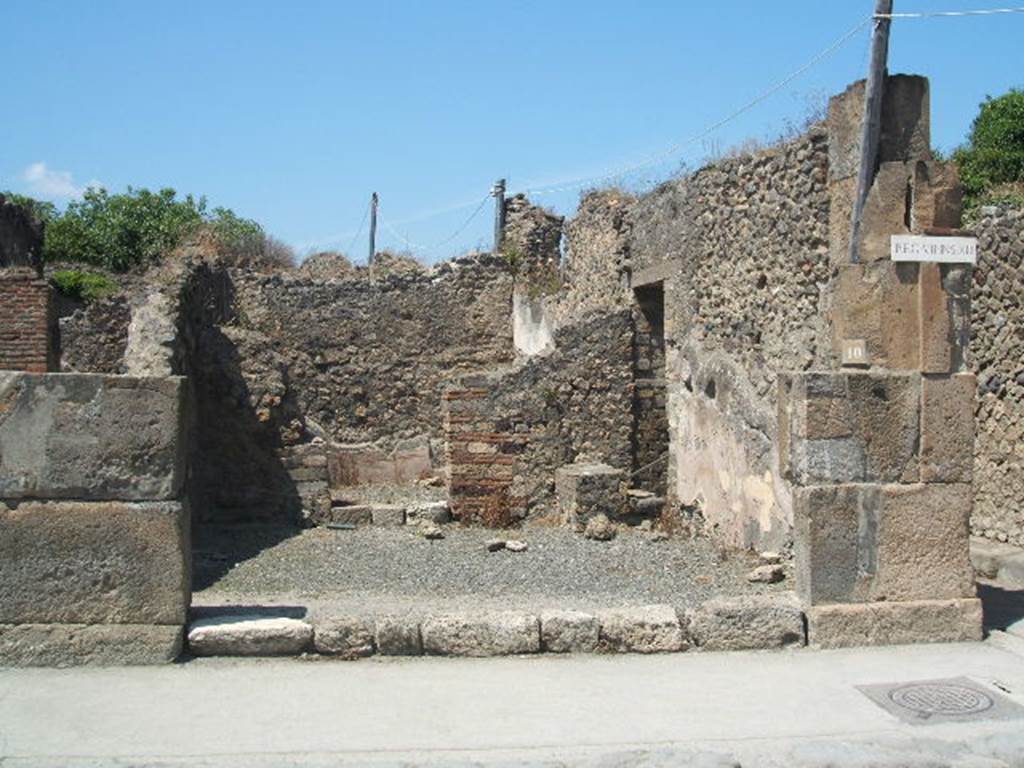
(997, 357)
(508, 431)
(94, 533)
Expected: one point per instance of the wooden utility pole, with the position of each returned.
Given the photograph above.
(499, 212)
(872, 128)
(373, 229)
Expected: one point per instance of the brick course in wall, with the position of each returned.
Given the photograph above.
(26, 322)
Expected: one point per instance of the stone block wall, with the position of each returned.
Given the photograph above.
(880, 463)
(94, 531)
(997, 358)
(508, 431)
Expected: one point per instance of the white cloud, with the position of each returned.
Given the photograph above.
(54, 185)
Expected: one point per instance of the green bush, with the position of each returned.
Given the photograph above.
(84, 286)
(993, 156)
(120, 231)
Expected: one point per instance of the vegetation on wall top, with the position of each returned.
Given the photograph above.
(139, 227)
(991, 163)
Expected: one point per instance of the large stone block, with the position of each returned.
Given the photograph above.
(346, 636)
(647, 629)
(85, 436)
(885, 211)
(249, 635)
(751, 622)
(569, 632)
(936, 321)
(489, 634)
(879, 304)
(67, 645)
(858, 543)
(906, 124)
(398, 636)
(94, 562)
(923, 543)
(829, 525)
(587, 490)
(851, 427)
(922, 621)
(947, 428)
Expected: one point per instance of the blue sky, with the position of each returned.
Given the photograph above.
(292, 113)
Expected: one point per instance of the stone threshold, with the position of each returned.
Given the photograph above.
(720, 624)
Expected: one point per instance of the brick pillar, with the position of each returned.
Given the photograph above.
(483, 456)
(27, 322)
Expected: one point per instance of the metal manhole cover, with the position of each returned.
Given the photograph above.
(942, 701)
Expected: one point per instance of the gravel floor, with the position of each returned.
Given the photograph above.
(377, 570)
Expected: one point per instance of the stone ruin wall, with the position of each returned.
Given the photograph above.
(507, 431)
(743, 249)
(997, 358)
(739, 251)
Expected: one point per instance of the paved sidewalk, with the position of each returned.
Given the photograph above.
(753, 709)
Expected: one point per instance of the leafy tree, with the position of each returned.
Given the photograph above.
(139, 227)
(120, 231)
(993, 156)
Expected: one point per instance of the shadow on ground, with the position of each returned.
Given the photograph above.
(1002, 607)
(217, 549)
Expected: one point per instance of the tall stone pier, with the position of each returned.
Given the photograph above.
(879, 450)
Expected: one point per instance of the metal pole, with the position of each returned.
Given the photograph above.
(373, 229)
(872, 127)
(499, 212)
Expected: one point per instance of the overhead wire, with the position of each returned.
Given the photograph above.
(366, 214)
(677, 148)
(948, 14)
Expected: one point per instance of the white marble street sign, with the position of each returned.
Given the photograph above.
(949, 250)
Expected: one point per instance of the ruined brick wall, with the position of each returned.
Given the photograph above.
(507, 431)
(997, 357)
(28, 340)
(27, 322)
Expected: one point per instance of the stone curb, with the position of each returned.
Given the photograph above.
(745, 623)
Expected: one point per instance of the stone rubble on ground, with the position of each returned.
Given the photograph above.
(600, 528)
(766, 574)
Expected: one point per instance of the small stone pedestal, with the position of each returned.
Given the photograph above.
(587, 490)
